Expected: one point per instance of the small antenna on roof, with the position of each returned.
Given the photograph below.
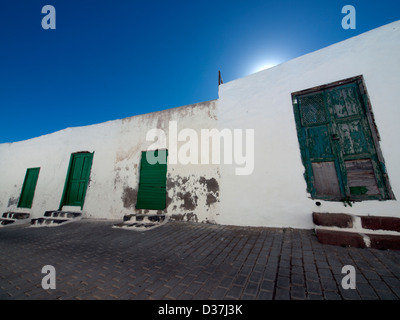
(220, 81)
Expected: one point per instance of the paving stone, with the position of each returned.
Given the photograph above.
(202, 295)
(325, 273)
(282, 294)
(366, 291)
(328, 284)
(219, 293)
(297, 262)
(240, 280)
(251, 288)
(160, 293)
(386, 295)
(370, 274)
(312, 276)
(265, 295)
(284, 272)
(267, 285)
(297, 292)
(331, 295)
(185, 296)
(193, 288)
(235, 292)
(313, 296)
(255, 276)
(283, 282)
(188, 261)
(297, 279)
(176, 291)
(313, 287)
(226, 282)
(310, 267)
(392, 282)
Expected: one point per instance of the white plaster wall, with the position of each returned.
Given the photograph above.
(52, 154)
(186, 187)
(114, 176)
(275, 193)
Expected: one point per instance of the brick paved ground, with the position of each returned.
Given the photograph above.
(181, 261)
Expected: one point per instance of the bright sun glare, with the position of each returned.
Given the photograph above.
(264, 66)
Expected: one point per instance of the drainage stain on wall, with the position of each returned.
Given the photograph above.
(12, 201)
(129, 197)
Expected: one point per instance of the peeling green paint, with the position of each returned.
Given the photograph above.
(333, 128)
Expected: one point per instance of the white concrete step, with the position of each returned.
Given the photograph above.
(344, 229)
(55, 218)
(14, 218)
(142, 221)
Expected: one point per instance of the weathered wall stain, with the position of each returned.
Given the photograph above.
(127, 154)
(211, 199)
(189, 200)
(190, 195)
(211, 184)
(117, 180)
(168, 201)
(12, 201)
(177, 217)
(170, 182)
(189, 217)
(187, 194)
(129, 197)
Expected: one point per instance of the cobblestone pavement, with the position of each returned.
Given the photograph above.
(181, 261)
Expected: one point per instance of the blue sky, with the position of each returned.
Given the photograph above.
(109, 60)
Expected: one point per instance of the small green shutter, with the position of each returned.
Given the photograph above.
(28, 188)
(152, 184)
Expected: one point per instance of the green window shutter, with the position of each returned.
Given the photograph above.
(152, 182)
(28, 188)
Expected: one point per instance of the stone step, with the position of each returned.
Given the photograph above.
(344, 220)
(144, 217)
(16, 215)
(9, 218)
(47, 221)
(340, 220)
(358, 240)
(62, 214)
(141, 221)
(381, 223)
(135, 224)
(5, 222)
(55, 218)
(344, 229)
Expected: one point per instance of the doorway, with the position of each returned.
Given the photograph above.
(339, 143)
(28, 188)
(77, 179)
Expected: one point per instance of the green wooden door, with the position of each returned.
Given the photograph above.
(152, 192)
(77, 179)
(28, 188)
(337, 145)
